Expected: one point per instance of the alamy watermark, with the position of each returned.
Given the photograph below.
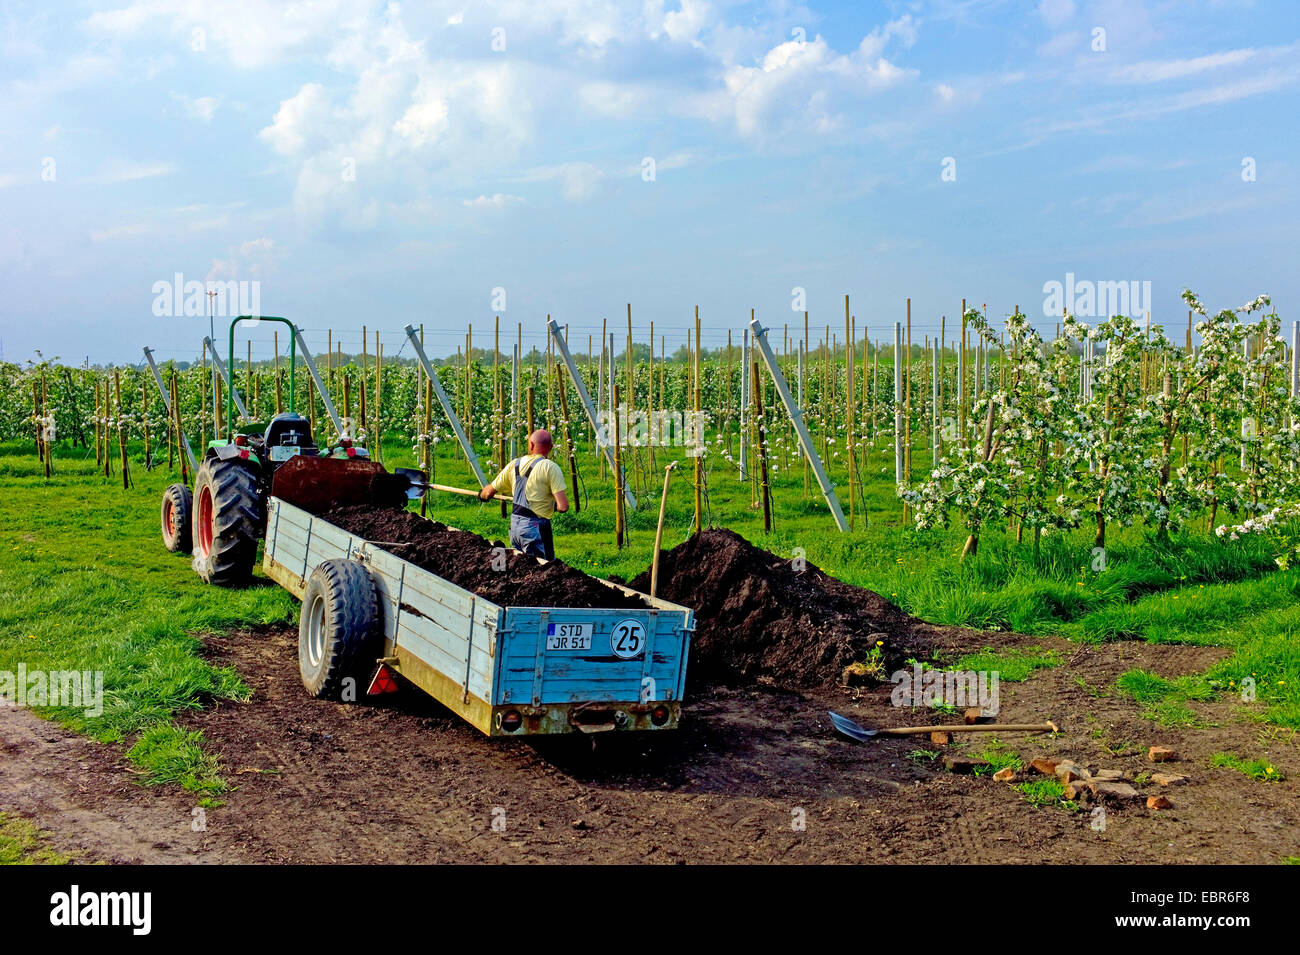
(1088, 299)
(178, 298)
(72, 689)
(658, 429)
(920, 686)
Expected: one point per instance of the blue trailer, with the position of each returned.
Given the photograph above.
(508, 671)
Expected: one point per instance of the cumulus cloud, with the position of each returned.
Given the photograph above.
(802, 85)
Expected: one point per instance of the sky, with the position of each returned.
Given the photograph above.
(381, 164)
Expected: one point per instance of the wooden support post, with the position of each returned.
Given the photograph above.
(697, 433)
(756, 386)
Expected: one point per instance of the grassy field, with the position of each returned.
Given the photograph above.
(85, 583)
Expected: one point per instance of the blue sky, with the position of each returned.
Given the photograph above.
(502, 145)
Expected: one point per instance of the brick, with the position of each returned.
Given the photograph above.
(1159, 802)
(940, 739)
(1005, 775)
(1044, 766)
(975, 715)
(1161, 754)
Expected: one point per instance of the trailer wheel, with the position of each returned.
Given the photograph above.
(227, 522)
(177, 503)
(338, 632)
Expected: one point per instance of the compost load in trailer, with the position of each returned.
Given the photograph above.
(475, 563)
(758, 617)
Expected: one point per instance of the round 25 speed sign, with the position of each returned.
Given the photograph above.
(628, 639)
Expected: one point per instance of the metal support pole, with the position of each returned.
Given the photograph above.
(167, 403)
(320, 385)
(898, 403)
(447, 409)
(583, 396)
(796, 416)
(225, 376)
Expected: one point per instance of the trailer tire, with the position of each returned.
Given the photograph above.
(177, 505)
(228, 519)
(339, 637)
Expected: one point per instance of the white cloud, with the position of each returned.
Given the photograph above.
(497, 200)
(801, 85)
(301, 122)
(1159, 71)
(202, 108)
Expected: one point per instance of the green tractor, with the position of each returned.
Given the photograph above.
(222, 520)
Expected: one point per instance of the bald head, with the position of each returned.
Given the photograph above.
(540, 442)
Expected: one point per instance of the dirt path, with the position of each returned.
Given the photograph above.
(407, 782)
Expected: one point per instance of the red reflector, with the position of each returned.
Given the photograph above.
(352, 452)
(241, 440)
(244, 454)
(384, 682)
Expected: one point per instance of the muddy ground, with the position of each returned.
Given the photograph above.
(408, 782)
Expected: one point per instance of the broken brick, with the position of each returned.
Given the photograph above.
(1161, 754)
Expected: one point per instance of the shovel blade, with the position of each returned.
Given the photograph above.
(418, 482)
(852, 730)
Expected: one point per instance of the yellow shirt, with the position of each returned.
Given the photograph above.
(545, 480)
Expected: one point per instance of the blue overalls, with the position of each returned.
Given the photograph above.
(528, 532)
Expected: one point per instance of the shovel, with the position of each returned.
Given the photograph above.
(860, 733)
(417, 483)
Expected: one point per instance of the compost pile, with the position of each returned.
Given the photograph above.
(757, 618)
(467, 561)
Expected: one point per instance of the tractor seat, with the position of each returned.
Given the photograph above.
(292, 430)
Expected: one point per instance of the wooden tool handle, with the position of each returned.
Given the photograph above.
(453, 490)
(972, 728)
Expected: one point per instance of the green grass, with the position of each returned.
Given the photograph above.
(1165, 700)
(998, 755)
(1046, 792)
(1257, 769)
(21, 843)
(85, 584)
(1012, 666)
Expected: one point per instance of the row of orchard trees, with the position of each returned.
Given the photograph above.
(1112, 424)
(1105, 424)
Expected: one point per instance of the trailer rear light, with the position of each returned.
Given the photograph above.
(241, 440)
(384, 682)
(511, 721)
(659, 715)
(352, 452)
(243, 453)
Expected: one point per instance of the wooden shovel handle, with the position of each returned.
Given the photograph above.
(453, 490)
(972, 728)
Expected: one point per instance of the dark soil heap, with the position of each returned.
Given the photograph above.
(467, 561)
(756, 617)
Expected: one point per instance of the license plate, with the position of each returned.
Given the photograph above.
(569, 636)
(283, 452)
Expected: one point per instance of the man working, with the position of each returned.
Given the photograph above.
(536, 487)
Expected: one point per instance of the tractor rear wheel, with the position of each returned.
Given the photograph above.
(177, 503)
(228, 519)
(339, 636)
